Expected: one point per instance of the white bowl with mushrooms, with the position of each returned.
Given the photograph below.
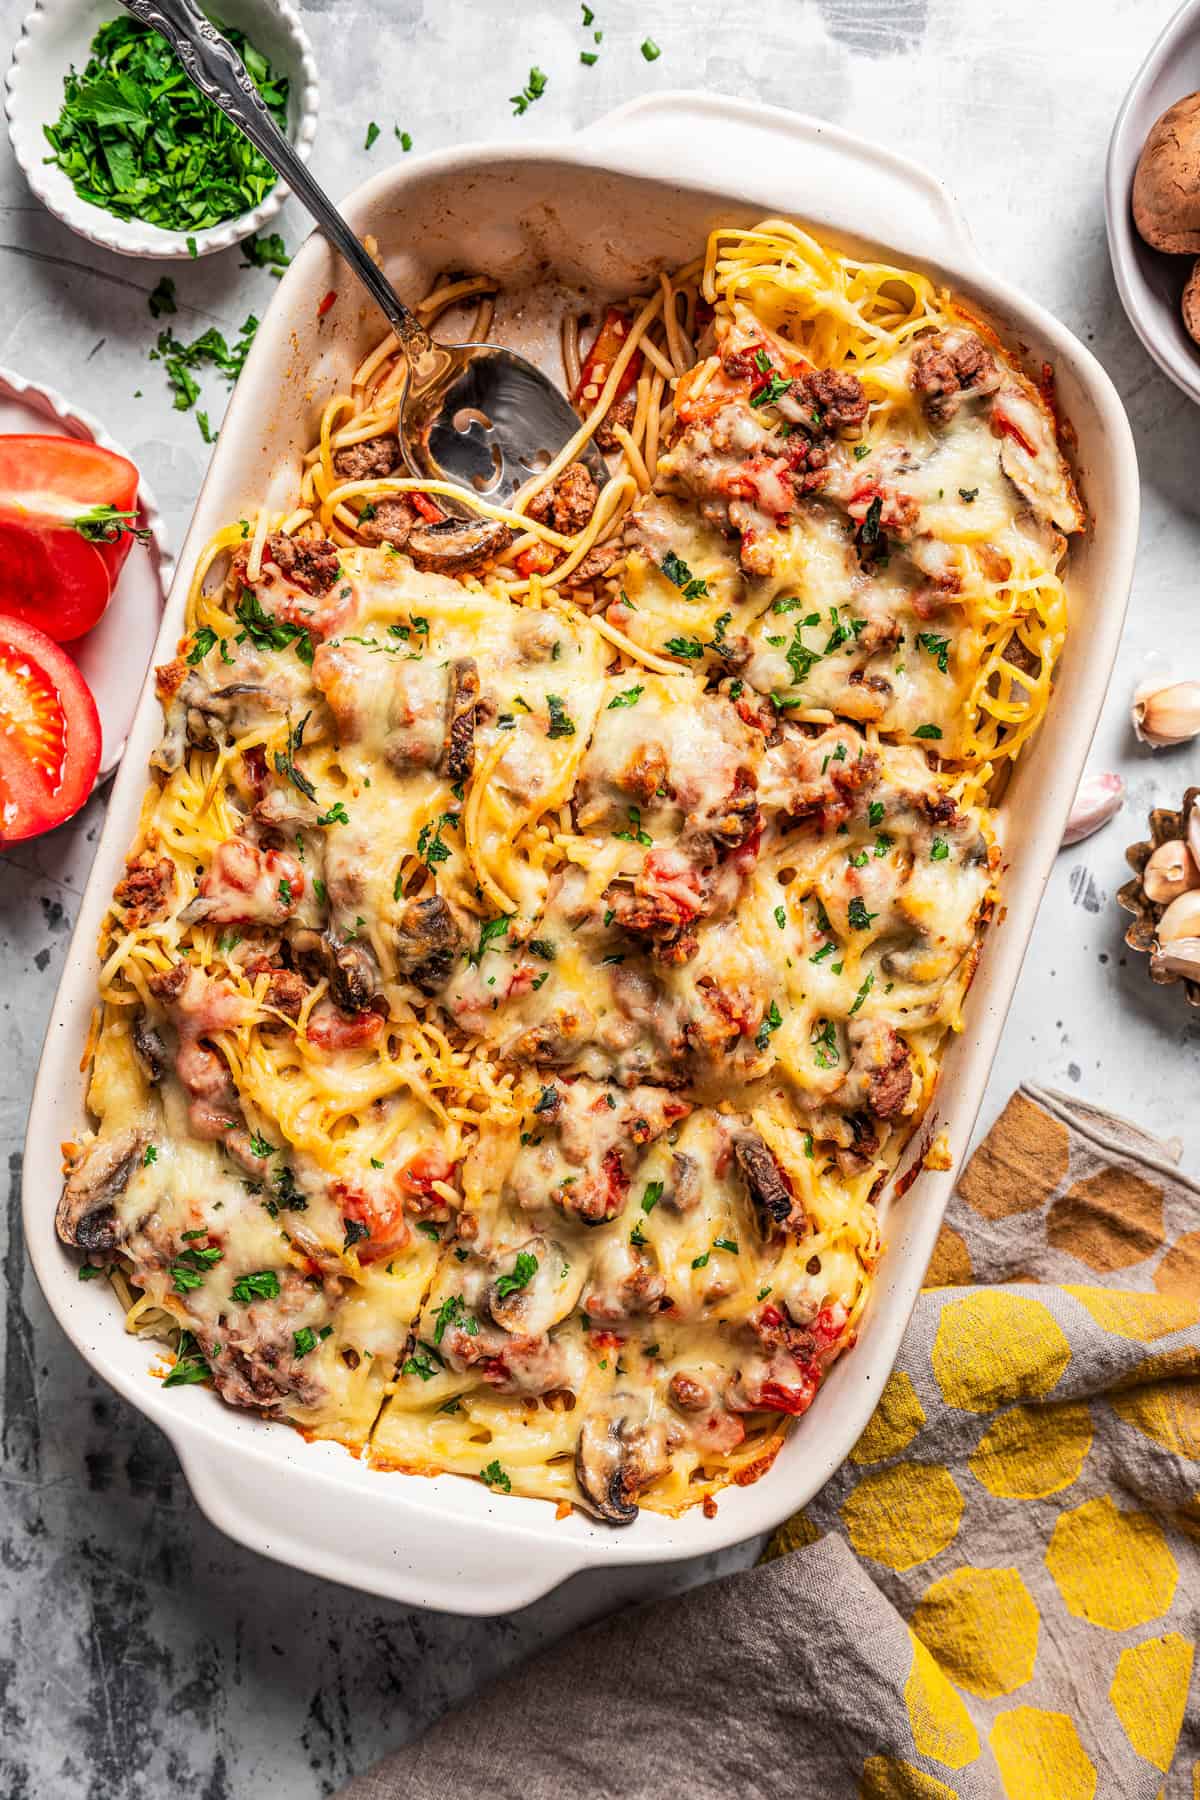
(1152, 200)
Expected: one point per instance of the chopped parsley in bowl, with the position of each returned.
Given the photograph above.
(136, 138)
(116, 141)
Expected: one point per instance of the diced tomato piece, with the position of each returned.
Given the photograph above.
(56, 572)
(776, 1397)
(420, 1172)
(326, 303)
(598, 364)
(330, 1029)
(539, 559)
(385, 1222)
(49, 733)
(429, 509)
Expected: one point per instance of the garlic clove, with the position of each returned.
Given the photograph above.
(1171, 871)
(1181, 959)
(1193, 832)
(1181, 919)
(1166, 712)
(1098, 798)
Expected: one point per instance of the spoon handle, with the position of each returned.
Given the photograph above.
(213, 66)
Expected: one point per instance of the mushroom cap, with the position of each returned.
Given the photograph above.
(1189, 304)
(1166, 183)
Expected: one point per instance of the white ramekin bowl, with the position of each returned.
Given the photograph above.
(58, 34)
(1150, 283)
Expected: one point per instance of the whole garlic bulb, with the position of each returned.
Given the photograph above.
(1098, 798)
(1171, 871)
(1166, 713)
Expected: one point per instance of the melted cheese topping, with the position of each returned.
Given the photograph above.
(512, 1015)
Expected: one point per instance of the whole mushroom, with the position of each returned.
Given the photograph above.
(1166, 184)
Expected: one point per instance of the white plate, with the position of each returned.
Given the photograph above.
(57, 35)
(604, 210)
(1149, 282)
(115, 653)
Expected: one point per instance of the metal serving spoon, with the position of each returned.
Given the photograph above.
(473, 414)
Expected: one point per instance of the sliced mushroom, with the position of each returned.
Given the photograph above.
(149, 1048)
(427, 940)
(353, 975)
(768, 1185)
(527, 1302)
(457, 546)
(616, 1458)
(686, 1188)
(459, 753)
(86, 1213)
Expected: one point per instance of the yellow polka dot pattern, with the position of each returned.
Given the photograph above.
(1024, 1502)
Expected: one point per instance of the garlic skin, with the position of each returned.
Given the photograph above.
(1098, 798)
(1166, 713)
(1171, 871)
(1180, 959)
(1181, 919)
(1193, 832)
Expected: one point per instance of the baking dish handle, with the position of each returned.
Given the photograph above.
(805, 166)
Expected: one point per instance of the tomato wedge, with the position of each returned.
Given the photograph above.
(49, 733)
(53, 574)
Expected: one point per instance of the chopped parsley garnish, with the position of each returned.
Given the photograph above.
(859, 861)
(356, 1231)
(820, 955)
(453, 1312)
(151, 1156)
(875, 813)
(404, 137)
(630, 697)
(928, 731)
(285, 760)
(422, 1365)
(772, 1020)
(800, 658)
(868, 536)
(561, 723)
(937, 647)
(523, 1272)
(772, 389)
(263, 1284)
(489, 931)
(267, 251)
(372, 134)
(652, 1196)
(337, 815)
(211, 347)
(306, 1340)
(202, 643)
(863, 991)
(781, 918)
(968, 494)
(861, 450)
(726, 1244)
(637, 1236)
(495, 1477)
(284, 891)
(823, 920)
(692, 648)
(89, 1272)
(533, 90)
(860, 919)
(939, 850)
(266, 632)
(635, 833)
(190, 1364)
(430, 847)
(650, 50)
(192, 1265)
(701, 1262)
(137, 140)
(544, 948)
(883, 843)
(677, 572)
(825, 1044)
(546, 1101)
(428, 1229)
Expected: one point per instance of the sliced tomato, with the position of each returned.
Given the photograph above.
(49, 733)
(53, 574)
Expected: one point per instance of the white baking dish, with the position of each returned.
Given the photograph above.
(604, 209)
